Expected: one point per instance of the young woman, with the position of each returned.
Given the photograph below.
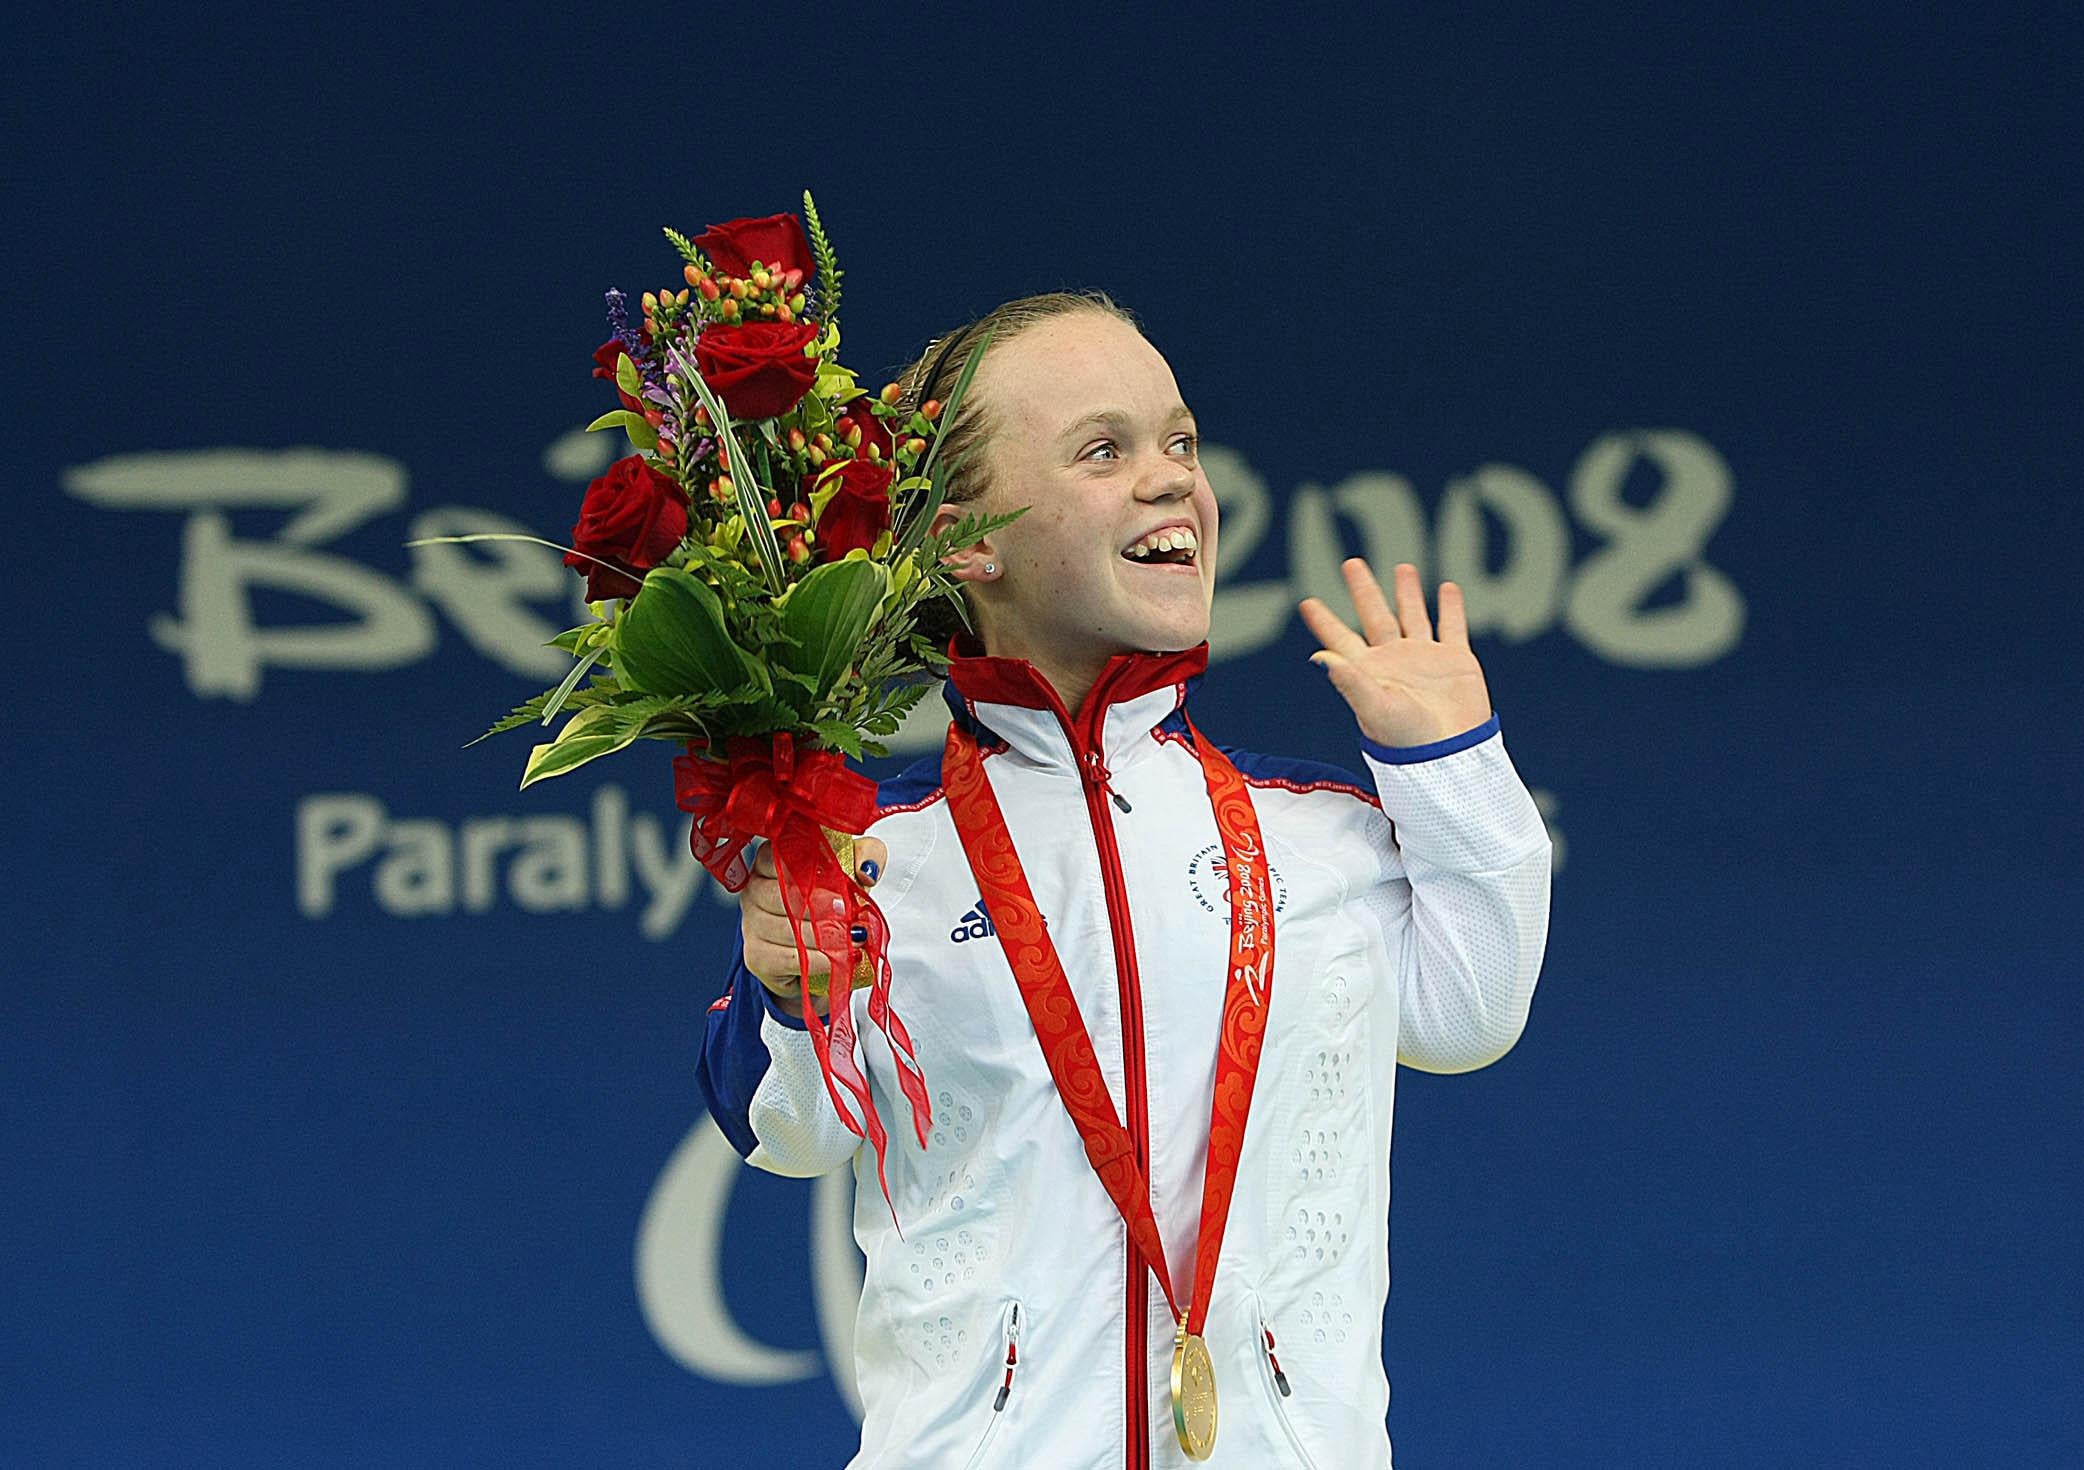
(1158, 987)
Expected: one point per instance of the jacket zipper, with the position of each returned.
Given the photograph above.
(1277, 1385)
(1086, 748)
(998, 1404)
(1138, 1350)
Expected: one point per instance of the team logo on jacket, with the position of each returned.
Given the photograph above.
(976, 924)
(1208, 876)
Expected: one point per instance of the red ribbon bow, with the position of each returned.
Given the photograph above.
(766, 789)
(762, 789)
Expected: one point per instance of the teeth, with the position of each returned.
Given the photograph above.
(1177, 539)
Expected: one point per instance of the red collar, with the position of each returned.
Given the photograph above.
(984, 679)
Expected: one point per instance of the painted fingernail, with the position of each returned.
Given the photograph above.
(871, 869)
(858, 934)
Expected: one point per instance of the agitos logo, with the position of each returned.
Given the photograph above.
(679, 1269)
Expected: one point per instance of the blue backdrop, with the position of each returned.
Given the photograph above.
(1730, 363)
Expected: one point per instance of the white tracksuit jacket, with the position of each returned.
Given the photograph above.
(1410, 925)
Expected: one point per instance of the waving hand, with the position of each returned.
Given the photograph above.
(1405, 686)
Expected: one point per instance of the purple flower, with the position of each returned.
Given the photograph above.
(619, 325)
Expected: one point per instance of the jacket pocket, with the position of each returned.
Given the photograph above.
(1275, 1382)
(1010, 1334)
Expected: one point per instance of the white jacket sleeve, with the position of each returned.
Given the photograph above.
(1467, 922)
(759, 1074)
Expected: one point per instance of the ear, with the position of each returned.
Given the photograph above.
(965, 563)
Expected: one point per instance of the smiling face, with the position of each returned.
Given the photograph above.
(1117, 551)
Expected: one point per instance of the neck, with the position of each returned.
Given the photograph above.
(1072, 677)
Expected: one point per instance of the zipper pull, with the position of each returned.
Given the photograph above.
(1280, 1378)
(1012, 1358)
(1096, 772)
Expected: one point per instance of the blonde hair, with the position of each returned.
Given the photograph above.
(931, 376)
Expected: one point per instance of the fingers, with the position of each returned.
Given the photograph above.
(1330, 629)
(1376, 620)
(770, 936)
(1411, 602)
(763, 895)
(770, 945)
(1454, 617)
(763, 890)
(1409, 620)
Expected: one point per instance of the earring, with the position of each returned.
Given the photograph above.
(990, 567)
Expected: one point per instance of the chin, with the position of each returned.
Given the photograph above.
(1175, 639)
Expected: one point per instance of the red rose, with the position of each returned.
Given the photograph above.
(873, 430)
(858, 512)
(777, 242)
(759, 369)
(604, 367)
(633, 516)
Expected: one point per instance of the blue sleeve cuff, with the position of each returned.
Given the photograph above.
(1405, 755)
(734, 1059)
(794, 1023)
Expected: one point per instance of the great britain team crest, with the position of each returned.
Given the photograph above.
(1208, 878)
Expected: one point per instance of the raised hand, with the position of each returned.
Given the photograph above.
(1405, 686)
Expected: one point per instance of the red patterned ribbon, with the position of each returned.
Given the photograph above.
(1068, 1048)
(767, 789)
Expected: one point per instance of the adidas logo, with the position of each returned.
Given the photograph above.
(976, 924)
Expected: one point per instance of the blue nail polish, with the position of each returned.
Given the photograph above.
(870, 869)
(858, 934)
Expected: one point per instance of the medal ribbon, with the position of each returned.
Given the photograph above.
(1068, 1048)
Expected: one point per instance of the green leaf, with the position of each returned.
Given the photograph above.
(671, 639)
(633, 424)
(823, 488)
(828, 612)
(920, 507)
(568, 640)
(836, 384)
(752, 500)
(815, 410)
(627, 378)
(588, 735)
(571, 681)
(523, 714)
(838, 735)
(954, 403)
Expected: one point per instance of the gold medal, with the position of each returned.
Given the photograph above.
(1193, 1394)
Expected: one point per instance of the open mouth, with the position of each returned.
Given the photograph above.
(1175, 546)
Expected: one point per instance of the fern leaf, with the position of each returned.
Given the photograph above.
(828, 263)
(839, 735)
(688, 252)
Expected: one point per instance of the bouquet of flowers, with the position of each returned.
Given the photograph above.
(754, 570)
